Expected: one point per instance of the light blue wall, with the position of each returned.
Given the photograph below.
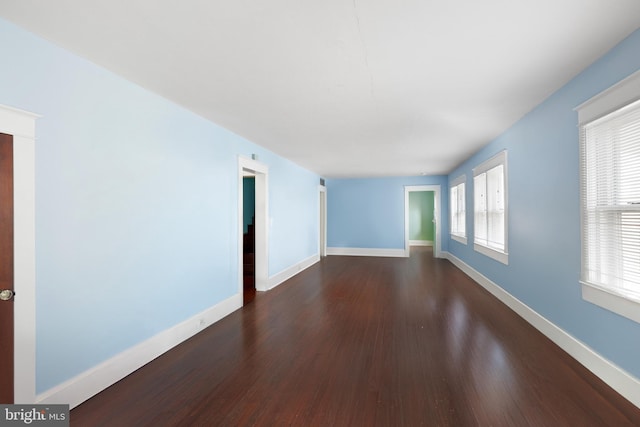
(294, 211)
(544, 213)
(136, 207)
(369, 212)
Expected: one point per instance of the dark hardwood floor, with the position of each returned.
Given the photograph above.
(363, 342)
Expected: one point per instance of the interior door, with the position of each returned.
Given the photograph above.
(6, 268)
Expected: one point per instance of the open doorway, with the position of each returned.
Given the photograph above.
(248, 237)
(252, 178)
(322, 250)
(422, 227)
(435, 218)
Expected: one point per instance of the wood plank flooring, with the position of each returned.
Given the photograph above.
(365, 342)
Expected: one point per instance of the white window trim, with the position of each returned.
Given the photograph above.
(612, 99)
(497, 160)
(459, 238)
(617, 96)
(502, 257)
(462, 179)
(619, 303)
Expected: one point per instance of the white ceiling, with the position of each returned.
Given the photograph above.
(350, 87)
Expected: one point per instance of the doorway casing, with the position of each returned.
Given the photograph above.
(322, 241)
(21, 125)
(436, 215)
(250, 167)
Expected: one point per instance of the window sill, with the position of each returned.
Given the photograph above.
(492, 253)
(619, 303)
(460, 239)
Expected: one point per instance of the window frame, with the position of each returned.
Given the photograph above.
(604, 103)
(456, 183)
(497, 160)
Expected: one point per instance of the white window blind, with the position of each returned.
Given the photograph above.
(610, 197)
(480, 201)
(490, 208)
(458, 210)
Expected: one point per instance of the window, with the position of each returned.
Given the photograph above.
(610, 197)
(458, 211)
(490, 208)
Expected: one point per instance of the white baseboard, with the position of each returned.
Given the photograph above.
(618, 379)
(420, 242)
(367, 252)
(91, 382)
(288, 273)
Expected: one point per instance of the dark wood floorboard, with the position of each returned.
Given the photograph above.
(358, 341)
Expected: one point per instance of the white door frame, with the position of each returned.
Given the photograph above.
(322, 241)
(250, 167)
(436, 202)
(21, 125)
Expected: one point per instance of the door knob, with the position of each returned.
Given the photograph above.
(6, 294)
